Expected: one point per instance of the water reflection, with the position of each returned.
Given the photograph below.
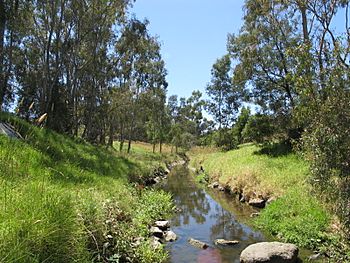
(190, 200)
(206, 219)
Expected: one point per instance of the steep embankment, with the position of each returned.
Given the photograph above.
(64, 200)
(296, 215)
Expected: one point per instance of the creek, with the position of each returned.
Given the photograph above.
(207, 215)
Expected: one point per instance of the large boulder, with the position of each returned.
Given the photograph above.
(270, 252)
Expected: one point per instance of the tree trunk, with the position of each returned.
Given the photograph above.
(302, 8)
(121, 138)
(2, 52)
(131, 130)
(129, 145)
(111, 135)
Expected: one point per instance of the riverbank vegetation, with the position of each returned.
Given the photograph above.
(296, 214)
(65, 200)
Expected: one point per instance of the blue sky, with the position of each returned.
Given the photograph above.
(193, 35)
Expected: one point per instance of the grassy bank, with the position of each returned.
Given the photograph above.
(297, 215)
(64, 200)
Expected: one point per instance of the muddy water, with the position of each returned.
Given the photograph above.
(206, 216)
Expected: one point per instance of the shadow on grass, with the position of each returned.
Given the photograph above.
(275, 149)
(72, 160)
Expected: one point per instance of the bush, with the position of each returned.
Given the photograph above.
(327, 145)
(258, 129)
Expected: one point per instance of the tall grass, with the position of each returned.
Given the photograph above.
(64, 200)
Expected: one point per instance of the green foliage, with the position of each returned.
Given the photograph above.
(296, 217)
(327, 145)
(187, 122)
(152, 206)
(147, 254)
(240, 124)
(259, 129)
(202, 178)
(224, 98)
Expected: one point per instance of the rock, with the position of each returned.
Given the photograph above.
(150, 181)
(155, 231)
(270, 200)
(242, 198)
(257, 202)
(162, 224)
(137, 241)
(197, 243)
(155, 243)
(228, 189)
(177, 210)
(170, 236)
(225, 242)
(220, 188)
(254, 214)
(315, 257)
(192, 169)
(157, 179)
(214, 185)
(166, 171)
(272, 252)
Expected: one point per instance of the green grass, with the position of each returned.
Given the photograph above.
(249, 170)
(64, 200)
(297, 215)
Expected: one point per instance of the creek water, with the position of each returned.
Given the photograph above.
(207, 215)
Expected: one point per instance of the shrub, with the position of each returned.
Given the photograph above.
(327, 145)
(258, 129)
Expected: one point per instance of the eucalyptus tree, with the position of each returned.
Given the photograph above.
(186, 118)
(224, 98)
(155, 99)
(64, 65)
(141, 71)
(260, 51)
(14, 17)
(282, 55)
